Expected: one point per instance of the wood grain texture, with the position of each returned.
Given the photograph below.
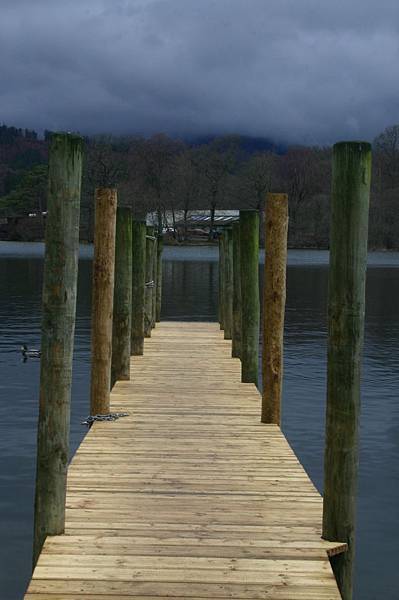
(346, 308)
(250, 306)
(274, 294)
(191, 496)
(155, 280)
(149, 280)
(221, 281)
(102, 299)
(159, 279)
(139, 232)
(236, 329)
(228, 284)
(121, 322)
(58, 326)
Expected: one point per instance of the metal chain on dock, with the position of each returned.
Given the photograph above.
(108, 417)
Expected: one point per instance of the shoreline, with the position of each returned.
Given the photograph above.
(84, 243)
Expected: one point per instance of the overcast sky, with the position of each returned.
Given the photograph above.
(310, 71)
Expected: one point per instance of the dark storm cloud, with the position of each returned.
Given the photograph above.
(298, 70)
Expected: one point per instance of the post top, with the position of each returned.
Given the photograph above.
(277, 197)
(65, 136)
(356, 144)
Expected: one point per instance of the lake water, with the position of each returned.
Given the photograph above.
(190, 292)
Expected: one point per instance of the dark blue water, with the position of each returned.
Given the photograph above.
(190, 292)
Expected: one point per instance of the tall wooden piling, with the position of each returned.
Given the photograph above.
(346, 306)
(139, 232)
(121, 322)
(102, 299)
(155, 280)
(159, 278)
(250, 309)
(236, 329)
(149, 282)
(58, 326)
(274, 293)
(221, 282)
(228, 284)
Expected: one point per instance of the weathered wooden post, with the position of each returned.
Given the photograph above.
(58, 326)
(274, 293)
(236, 329)
(346, 306)
(221, 281)
(155, 280)
(121, 322)
(102, 299)
(249, 267)
(149, 282)
(159, 279)
(228, 284)
(139, 232)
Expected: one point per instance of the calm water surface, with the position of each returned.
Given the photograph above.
(190, 292)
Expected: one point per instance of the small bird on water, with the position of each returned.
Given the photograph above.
(32, 353)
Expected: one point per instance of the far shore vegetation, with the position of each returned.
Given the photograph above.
(173, 177)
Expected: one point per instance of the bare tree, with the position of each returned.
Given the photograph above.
(156, 156)
(302, 175)
(255, 179)
(186, 184)
(105, 166)
(215, 162)
(386, 157)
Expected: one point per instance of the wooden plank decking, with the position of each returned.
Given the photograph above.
(190, 496)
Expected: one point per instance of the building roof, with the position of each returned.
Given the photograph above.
(204, 220)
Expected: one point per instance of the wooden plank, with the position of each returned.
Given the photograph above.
(190, 496)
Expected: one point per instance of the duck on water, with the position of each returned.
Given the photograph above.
(32, 353)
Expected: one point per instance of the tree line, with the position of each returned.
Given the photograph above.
(170, 176)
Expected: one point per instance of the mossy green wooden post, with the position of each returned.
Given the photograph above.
(58, 326)
(250, 307)
(149, 283)
(121, 323)
(102, 299)
(274, 293)
(155, 280)
(236, 329)
(228, 284)
(139, 232)
(159, 279)
(346, 306)
(221, 281)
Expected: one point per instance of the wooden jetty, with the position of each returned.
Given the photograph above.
(190, 496)
(196, 493)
